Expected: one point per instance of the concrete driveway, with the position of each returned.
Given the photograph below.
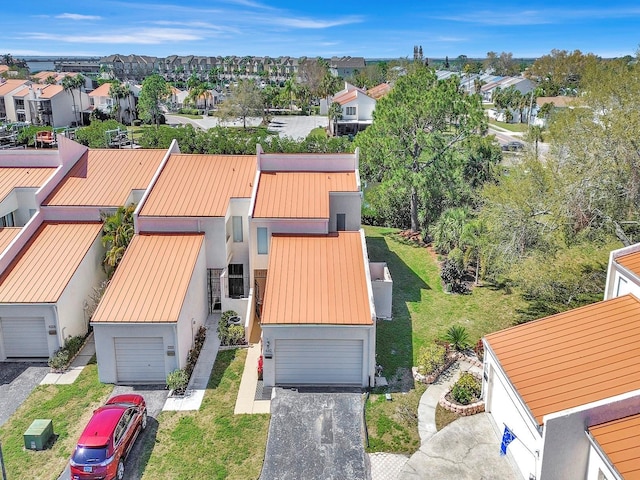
(315, 436)
(154, 396)
(17, 380)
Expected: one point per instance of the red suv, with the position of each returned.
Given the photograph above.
(108, 438)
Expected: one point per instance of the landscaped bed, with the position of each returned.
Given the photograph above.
(422, 314)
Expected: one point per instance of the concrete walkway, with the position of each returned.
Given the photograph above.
(468, 448)
(246, 401)
(202, 371)
(87, 351)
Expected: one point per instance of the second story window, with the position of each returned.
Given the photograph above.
(263, 241)
(350, 111)
(237, 229)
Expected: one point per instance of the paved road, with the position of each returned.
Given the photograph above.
(294, 126)
(154, 396)
(17, 380)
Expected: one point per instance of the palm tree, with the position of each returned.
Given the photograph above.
(68, 84)
(117, 233)
(289, 90)
(78, 82)
(471, 243)
(116, 92)
(335, 114)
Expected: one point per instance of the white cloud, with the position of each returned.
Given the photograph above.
(77, 16)
(311, 23)
(149, 36)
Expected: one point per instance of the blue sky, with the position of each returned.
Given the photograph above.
(372, 29)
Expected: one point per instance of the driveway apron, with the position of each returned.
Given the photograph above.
(315, 436)
(17, 380)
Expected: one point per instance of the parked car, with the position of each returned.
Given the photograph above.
(108, 438)
(513, 146)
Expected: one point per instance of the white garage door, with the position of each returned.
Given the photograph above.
(318, 362)
(24, 337)
(139, 360)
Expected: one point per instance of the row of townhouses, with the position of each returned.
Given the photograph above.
(276, 238)
(128, 67)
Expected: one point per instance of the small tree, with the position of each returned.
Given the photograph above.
(153, 94)
(245, 100)
(458, 337)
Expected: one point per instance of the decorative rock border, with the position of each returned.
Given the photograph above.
(452, 357)
(464, 410)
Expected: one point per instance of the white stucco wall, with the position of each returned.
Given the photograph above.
(505, 407)
(47, 311)
(62, 108)
(615, 272)
(382, 288)
(105, 346)
(598, 464)
(89, 274)
(349, 203)
(26, 203)
(194, 309)
(566, 446)
(366, 333)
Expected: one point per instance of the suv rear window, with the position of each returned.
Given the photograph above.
(85, 456)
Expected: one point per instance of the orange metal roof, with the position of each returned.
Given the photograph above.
(44, 266)
(620, 440)
(200, 185)
(316, 280)
(299, 194)
(7, 234)
(106, 177)
(15, 177)
(573, 358)
(101, 91)
(631, 262)
(50, 91)
(151, 282)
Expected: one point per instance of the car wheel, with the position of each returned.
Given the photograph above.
(120, 472)
(144, 419)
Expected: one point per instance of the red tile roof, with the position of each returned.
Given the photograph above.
(316, 280)
(151, 282)
(299, 194)
(101, 91)
(572, 358)
(346, 97)
(44, 266)
(620, 441)
(200, 185)
(105, 178)
(379, 91)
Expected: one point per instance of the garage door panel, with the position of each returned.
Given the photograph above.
(318, 362)
(139, 360)
(24, 337)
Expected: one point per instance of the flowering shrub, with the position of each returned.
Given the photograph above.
(430, 358)
(466, 389)
(260, 367)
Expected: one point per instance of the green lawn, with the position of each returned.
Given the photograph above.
(512, 127)
(69, 407)
(211, 443)
(422, 312)
(187, 115)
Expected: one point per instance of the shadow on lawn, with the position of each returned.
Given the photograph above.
(394, 340)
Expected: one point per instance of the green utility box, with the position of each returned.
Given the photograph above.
(38, 434)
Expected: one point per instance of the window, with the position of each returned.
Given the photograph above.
(623, 288)
(237, 229)
(341, 222)
(263, 241)
(350, 111)
(236, 280)
(7, 221)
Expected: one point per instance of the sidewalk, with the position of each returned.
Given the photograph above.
(202, 371)
(246, 401)
(87, 351)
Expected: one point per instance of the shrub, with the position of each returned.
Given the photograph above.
(458, 337)
(430, 358)
(194, 353)
(224, 329)
(60, 360)
(235, 335)
(479, 350)
(466, 389)
(260, 367)
(178, 381)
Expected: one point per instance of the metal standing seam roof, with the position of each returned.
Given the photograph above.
(299, 194)
(572, 358)
(630, 261)
(151, 282)
(620, 441)
(45, 265)
(7, 234)
(106, 177)
(316, 280)
(200, 185)
(15, 177)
